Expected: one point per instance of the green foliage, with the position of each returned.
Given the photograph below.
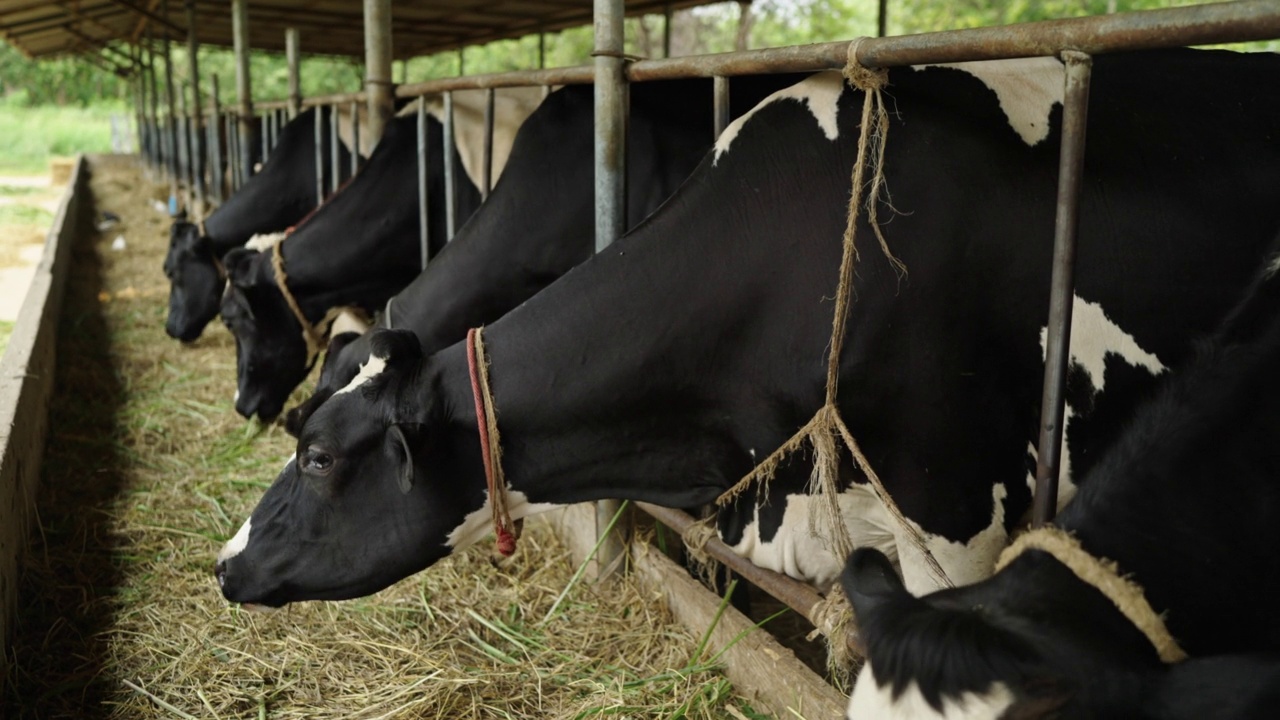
(62, 81)
(34, 134)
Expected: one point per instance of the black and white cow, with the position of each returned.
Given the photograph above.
(278, 196)
(665, 367)
(1187, 502)
(357, 250)
(549, 195)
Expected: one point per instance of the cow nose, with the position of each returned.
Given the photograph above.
(246, 405)
(220, 572)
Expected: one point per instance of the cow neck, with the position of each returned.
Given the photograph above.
(275, 198)
(1104, 576)
(602, 382)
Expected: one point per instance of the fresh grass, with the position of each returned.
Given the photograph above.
(33, 135)
(24, 215)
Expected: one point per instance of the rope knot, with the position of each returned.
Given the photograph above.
(860, 76)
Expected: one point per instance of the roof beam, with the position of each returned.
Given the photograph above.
(148, 14)
(142, 21)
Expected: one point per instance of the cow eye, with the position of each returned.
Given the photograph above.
(316, 460)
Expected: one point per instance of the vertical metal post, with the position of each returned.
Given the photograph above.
(610, 185)
(1075, 115)
(171, 127)
(233, 149)
(139, 102)
(720, 94)
(193, 69)
(244, 89)
(355, 137)
(666, 31)
(542, 50)
(180, 135)
(265, 134)
(377, 64)
(293, 57)
(462, 61)
(882, 19)
(157, 142)
(424, 230)
(216, 174)
(335, 157)
(319, 140)
(450, 189)
(144, 137)
(486, 168)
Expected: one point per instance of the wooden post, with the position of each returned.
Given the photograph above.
(193, 67)
(244, 89)
(379, 88)
(293, 56)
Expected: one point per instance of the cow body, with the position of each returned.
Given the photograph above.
(665, 367)
(1187, 503)
(549, 197)
(278, 196)
(355, 251)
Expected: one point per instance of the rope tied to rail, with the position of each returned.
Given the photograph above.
(822, 430)
(1104, 575)
(695, 539)
(832, 618)
(505, 530)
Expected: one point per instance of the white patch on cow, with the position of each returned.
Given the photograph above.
(871, 701)
(797, 551)
(964, 562)
(820, 92)
(236, 399)
(368, 371)
(511, 106)
(237, 544)
(347, 321)
(1027, 89)
(345, 130)
(1094, 336)
(479, 523)
(264, 241)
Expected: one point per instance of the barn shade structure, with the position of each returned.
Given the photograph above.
(115, 31)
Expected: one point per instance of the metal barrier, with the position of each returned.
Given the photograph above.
(1072, 40)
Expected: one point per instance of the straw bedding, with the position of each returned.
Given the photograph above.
(148, 470)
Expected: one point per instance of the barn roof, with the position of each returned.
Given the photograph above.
(41, 28)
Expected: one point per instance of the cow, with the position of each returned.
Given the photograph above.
(488, 269)
(1186, 503)
(355, 251)
(665, 367)
(278, 196)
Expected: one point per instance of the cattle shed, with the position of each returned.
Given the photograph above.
(83, 299)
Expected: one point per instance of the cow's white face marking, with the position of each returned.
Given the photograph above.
(1027, 89)
(264, 241)
(870, 700)
(479, 523)
(346, 134)
(821, 92)
(1094, 336)
(368, 371)
(237, 544)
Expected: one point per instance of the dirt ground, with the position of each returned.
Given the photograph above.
(148, 471)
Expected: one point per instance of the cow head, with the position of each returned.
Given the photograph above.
(271, 355)
(364, 502)
(341, 365)
(195, 282)
(1033, 641)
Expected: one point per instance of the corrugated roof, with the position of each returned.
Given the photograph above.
(41, 28)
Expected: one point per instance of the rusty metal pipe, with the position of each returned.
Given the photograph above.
(1075, 115)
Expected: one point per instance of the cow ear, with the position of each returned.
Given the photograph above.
(240, 266)
(399, 348)
(399, 448)
(870, 580)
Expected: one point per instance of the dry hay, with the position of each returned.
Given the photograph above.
(148, 470)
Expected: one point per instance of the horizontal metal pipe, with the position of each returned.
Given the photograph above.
(795, 594)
